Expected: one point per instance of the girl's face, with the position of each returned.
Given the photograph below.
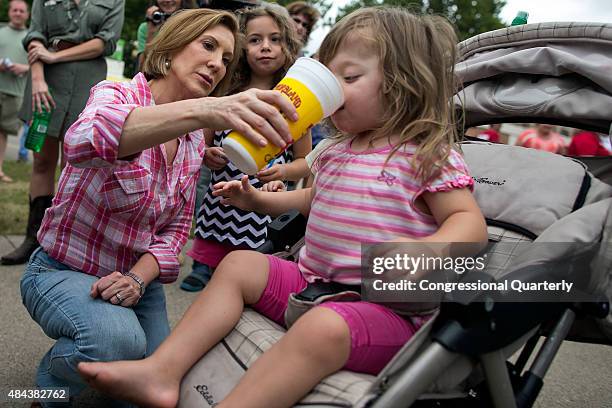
(358, 69)
(201, 65)
(264, 50)
(169, 6)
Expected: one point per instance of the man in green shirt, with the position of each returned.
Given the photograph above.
(13, 67)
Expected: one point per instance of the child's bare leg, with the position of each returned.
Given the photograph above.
(240, 279)
(317, 345)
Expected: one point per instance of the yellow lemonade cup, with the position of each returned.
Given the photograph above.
(316, 94)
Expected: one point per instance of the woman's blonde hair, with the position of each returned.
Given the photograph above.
(180, 30)
(417, 59)
(290, 43)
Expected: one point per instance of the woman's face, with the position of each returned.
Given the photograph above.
(301, 23)
(201, 65)
(264, 46)
(169, 6)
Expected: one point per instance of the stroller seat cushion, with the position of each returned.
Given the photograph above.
(216, 374)
(511, 188)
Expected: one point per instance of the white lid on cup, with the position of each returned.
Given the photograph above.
(239, 156)
(321, 81)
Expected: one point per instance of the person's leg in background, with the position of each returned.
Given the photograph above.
(200, 273)
(23, 155)
(3, 177)
(8, 125)
(42, 188)
(198, 278)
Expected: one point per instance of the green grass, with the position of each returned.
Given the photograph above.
(14, 198)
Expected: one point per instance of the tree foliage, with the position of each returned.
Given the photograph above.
(470, 17)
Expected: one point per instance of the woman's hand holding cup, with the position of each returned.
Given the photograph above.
(254, 113)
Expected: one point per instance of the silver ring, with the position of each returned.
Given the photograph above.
(119, 297)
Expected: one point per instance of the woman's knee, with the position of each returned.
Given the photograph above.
(324, 335)
(115, 341)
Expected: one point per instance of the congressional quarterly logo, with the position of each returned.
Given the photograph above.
(478, 286)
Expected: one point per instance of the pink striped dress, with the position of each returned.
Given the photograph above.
(358, 201)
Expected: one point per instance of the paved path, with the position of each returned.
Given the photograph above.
(580, 377)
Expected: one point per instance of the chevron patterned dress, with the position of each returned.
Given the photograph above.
(225, 223)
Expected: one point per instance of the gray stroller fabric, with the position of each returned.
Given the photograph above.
(509, 188)
(552, 49)
(556, 71)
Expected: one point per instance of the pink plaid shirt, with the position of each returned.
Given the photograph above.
(108, 212)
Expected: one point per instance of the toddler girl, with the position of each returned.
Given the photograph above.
(393, 175)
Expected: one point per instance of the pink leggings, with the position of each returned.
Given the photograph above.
(377, 333)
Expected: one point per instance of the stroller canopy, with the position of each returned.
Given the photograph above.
(549, 72)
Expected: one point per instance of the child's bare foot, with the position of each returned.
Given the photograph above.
(133, 381)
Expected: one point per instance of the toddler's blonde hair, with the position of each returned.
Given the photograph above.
(417, 57)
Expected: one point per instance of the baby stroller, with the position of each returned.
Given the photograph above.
(555, 73)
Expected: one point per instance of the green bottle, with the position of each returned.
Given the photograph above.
(38, 130)
(521, 18)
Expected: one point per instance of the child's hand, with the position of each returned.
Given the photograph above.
(215, 158)
(274, 186)
(276, 172)
(240, 194)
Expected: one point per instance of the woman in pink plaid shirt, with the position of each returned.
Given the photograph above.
(125, 199)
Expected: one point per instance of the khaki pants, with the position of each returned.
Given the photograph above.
(9, 107)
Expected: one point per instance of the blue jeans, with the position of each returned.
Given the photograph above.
(86, 329)
(23, 152)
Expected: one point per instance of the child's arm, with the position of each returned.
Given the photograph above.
(459, 219)
(294, 171)
(458, 216)
(243, 195)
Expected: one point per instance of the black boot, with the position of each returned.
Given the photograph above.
(22, 254)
